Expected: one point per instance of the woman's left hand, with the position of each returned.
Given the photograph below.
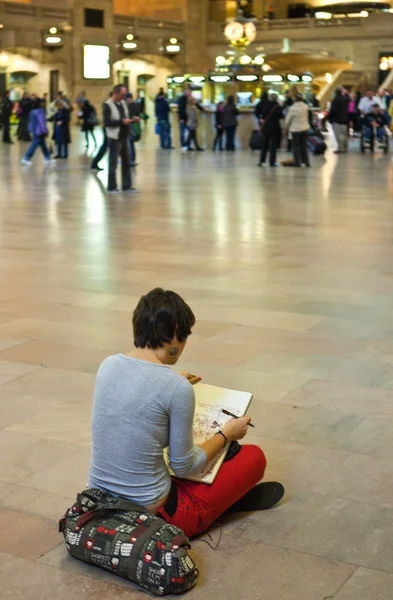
(193, 379)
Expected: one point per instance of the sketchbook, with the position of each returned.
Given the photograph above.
(209, 418)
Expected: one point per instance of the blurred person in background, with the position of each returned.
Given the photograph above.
(297, 123)
(230, 123)
(163, 111)
(25, 107)
(192, 125)
(134, 112)
(6, 112)
(219, 120)
(39, 131)
(89, 121)
(270, 125)
(338, 117)
(62, 135)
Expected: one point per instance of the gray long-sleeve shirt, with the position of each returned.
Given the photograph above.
(139, 409)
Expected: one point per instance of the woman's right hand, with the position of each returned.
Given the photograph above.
(236, 429)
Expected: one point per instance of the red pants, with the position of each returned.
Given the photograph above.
(200, 504)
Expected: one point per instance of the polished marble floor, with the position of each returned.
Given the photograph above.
(290, 274)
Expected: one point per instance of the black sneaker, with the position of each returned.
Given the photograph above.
(263, 496)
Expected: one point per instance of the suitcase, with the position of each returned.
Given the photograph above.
(256, 140)
(316, 145)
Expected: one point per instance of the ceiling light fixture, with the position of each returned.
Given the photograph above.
(130, 45)
(173, 48)
(220, 78)
(53, 40)
(246, 77)
(245, 59)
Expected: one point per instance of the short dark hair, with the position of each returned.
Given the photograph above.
(160, 316)
(117, 89)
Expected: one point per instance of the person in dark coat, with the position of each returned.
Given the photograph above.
(163, 111)
(6, 112)
(261, 107)
(339, 118)
(62, 135)
(271, 130)
(230, 123)
(89, 121)
(219, 126)
(25, 107)
(134, 112)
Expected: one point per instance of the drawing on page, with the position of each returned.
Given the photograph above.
(208, 420)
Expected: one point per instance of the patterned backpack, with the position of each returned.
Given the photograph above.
(122, 537)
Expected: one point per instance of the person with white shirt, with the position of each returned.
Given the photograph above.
(366, 103)
(297, 123)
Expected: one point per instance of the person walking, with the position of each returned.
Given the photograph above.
(89, 121)
(192, 125)
(6, 112)
(297, 123)
(25, 107)
(95, 166)
(219, 126)
(39, 131)
(271, 131)
(134, 112)
(62, 135)
(230, 123)
(117, 127)
(338, 117)
(162, 111)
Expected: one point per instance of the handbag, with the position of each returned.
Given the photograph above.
(135, 132)
(92, 119)
(123, 537)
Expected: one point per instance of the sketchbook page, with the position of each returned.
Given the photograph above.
(209, 418)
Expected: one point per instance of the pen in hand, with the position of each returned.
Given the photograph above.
(226, 412)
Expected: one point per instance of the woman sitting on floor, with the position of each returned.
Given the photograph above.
(141, 407)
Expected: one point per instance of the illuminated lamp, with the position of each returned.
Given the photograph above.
(246, 77)
(245, 59)
(53, 40)
(220, 60)
(272, 78)
(258, 60)
(130, 45)
(220, 78)
(197, 79)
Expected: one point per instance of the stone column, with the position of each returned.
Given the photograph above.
(97, 90)
(196, 55)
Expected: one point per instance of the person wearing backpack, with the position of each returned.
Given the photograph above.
(39, 131)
